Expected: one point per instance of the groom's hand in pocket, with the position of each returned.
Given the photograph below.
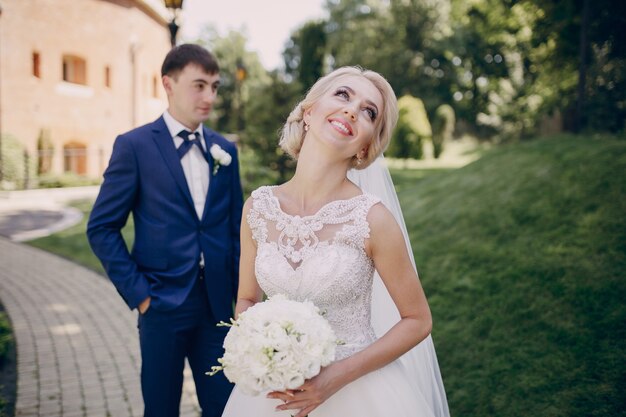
(144, 306)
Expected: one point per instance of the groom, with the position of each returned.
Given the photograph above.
(181, 182)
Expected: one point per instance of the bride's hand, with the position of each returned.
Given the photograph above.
(312, 393)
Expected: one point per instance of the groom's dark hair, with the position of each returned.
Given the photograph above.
(182, 55)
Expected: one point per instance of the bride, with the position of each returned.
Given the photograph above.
(322, 238)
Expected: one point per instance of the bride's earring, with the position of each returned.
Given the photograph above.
(306, 127)
(359, 158)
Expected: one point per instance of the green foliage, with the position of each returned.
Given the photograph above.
(7, 366)
(17, 176)
(559, 28)
(605, 105)
(6, 336)
(415, 116)
(254, 174)
(18, 167)
(365, 35)
(443, 127)
(68, 179)
(45, 148)
(255, 108)
(502, 64)
(266, 116)
(404, 142)
(412, 129)
(521, 255)
(230, 50)
(424, 29)
(305, 53)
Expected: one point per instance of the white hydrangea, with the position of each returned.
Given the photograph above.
(277, 345)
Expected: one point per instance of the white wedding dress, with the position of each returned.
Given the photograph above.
(321, 258)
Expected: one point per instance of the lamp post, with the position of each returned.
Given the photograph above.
(174, 6)
(241, 73)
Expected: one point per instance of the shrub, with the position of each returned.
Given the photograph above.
(412, 129)
(68, 179)
(15, 173)
(443, 127)
(6, 337)
(45, 150)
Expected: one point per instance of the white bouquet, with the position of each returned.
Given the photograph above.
(276, 345)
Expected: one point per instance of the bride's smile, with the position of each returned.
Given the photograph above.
(346, 116)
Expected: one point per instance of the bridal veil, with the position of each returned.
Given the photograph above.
(421, 361)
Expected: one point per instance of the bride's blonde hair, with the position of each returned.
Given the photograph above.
(293, 131)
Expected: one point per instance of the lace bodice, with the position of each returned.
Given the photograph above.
(320, 258)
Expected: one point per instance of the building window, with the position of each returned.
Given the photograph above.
(36, 65)
(75, 158)
(107, 76)
(74, 70)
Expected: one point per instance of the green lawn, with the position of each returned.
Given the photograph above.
(522, 255)
(72, 243)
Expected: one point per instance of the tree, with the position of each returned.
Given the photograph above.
(366, 35)
(305, 53)
(231, 53)
(266, 115)
(423, 31)
(587, 47)
(443, 128)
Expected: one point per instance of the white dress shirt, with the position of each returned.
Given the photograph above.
(195, 167)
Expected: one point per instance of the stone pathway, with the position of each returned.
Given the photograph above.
(77, 343)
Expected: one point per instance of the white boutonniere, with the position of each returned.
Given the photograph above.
(220, 157)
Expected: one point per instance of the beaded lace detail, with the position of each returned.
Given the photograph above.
(320, 258)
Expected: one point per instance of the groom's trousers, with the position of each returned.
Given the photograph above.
(166, 339)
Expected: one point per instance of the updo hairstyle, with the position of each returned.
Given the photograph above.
(293, 132)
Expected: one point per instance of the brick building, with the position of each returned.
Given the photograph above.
(74, 74)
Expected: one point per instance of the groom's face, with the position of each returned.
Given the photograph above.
(191, 94)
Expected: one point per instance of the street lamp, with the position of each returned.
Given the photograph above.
(175, 6)
(241, 73)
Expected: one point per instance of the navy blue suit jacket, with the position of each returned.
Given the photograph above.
(145, 177)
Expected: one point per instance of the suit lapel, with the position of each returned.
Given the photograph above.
(208, 141)
(163, 140)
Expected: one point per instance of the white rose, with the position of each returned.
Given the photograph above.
(277, 344)
(220, 155)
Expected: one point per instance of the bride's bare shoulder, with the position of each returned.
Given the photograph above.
(381, 221)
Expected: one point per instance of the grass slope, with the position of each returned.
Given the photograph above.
(522, 255)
